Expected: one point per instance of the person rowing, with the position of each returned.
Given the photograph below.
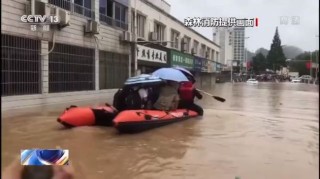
(187, 93)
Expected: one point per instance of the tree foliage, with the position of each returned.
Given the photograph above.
(298, 64)
(276, 58)
(259, 63)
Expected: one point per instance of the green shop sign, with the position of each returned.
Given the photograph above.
(181, 59)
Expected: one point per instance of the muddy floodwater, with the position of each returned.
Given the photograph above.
(264, 131)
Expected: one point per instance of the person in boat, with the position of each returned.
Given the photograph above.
(144, 93)
(187, 93)
(131, 98)
(118, 98)
(168, 97)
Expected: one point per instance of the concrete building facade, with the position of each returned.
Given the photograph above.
(153, 22)
(238, 45)
(232, 44)
(85, 59)
(224, 37)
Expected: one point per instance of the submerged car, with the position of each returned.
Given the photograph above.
(296, 80)
(306, 77)
(252, 81)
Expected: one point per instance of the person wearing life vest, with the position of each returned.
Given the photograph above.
(187, 93)
(168, 99)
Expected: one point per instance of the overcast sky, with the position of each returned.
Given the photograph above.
(268, 12)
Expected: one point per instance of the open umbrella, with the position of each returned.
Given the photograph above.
(170, 74)
(142, 79)
(186, 72)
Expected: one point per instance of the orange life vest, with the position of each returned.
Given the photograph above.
(186, 91)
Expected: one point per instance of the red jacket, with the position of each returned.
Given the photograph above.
(187, 92)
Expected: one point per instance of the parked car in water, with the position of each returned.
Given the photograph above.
(305, 77)
(252, 81)
(296, 80)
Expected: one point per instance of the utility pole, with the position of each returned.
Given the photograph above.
(231, 71)
(317, 61)
(245, 54)
(135, 39)
(310, 65)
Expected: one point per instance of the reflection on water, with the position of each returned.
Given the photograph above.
(262, 131)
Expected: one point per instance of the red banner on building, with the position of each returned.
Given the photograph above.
(308, 65)
(248, 65)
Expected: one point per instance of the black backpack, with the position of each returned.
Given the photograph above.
(133, 100)
(118, 100)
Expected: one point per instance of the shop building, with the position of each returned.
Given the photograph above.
(151, 57)
(85, 56)
(153, 23)
(82, 59)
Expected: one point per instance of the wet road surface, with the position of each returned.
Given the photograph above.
(270, 130)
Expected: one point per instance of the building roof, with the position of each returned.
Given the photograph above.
(175, 19)
(166, 2)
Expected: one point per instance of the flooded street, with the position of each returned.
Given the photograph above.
(264, 131)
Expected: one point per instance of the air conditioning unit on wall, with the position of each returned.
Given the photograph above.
(64, 18)
(41, 8)
(125, 36)
(92, 27)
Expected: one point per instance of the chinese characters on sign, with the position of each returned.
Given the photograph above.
(150, 54)
(285, 20)
(220, 22)
(181, 59)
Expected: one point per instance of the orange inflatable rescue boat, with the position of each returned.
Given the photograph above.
(87, 116)
(131, 121)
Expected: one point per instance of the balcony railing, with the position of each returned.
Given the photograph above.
(64, 4)
(106, 20)
(72, 7)
(83, 11)
(86, 12)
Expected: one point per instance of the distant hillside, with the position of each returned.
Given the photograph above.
(263, 51)
(250, 55)
(289, 51)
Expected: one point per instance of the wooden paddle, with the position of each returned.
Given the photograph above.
(215, 97)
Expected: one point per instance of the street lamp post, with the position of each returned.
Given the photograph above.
(245, 54)
(310, 65)
(135, 39)
(317, 61)
(231, 73)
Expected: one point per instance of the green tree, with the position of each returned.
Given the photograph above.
(276, 57)
(298, 64)
(259, 63)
